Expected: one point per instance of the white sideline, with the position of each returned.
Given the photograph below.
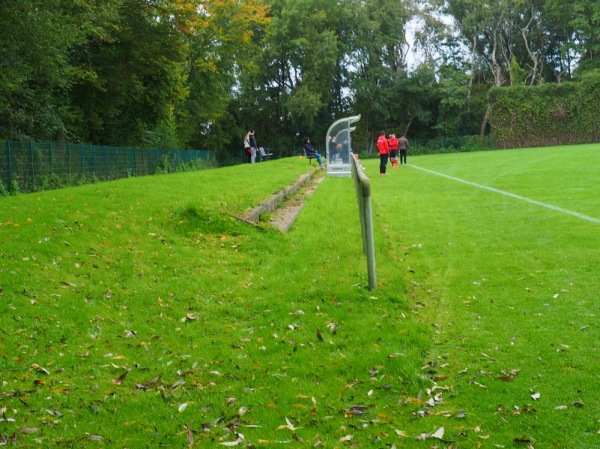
(512, 195)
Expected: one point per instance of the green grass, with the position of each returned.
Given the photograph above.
(141, 313)
(510, 287)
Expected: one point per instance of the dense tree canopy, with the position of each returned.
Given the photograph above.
(199, 73)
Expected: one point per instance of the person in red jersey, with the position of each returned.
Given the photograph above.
(383, 149)
(393, 144)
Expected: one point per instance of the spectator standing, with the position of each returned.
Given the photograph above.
(393, 144)
(332, 150)
(247, 149)
(383, 149)
(250, 146)
(403, 146)
(253, 146)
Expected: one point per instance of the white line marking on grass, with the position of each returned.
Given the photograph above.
(512, 195)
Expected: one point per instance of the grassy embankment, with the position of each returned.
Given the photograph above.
(140, 313)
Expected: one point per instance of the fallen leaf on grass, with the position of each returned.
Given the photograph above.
(239, 439)
(120, 379)
(190, 435)
(438, 434)
(402, 433)
(39, 368)
(524, 410)
(355, 410)
(346, 387)
(346, 438)
(506, 378)
(177, 384)
(289, 426)
(148, 385)
(189, 317)
(319, 336)
(413, 401)
(536, 396)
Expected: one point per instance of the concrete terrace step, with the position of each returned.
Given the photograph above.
(284, 208)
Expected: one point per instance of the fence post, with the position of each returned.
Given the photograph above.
(363, 197)
(69, 158)
(106, 166)
(94, 159)
(9, 156)
(51, 161)
(32, 163)
(133, 162)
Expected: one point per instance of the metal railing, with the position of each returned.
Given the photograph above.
(362, 185)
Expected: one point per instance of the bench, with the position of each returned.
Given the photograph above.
(310, 158)
(264, 154)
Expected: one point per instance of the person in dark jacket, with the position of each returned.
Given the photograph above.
(253, 146)
(250, 146)
(311, 152)
(332, 152)
(403, 146)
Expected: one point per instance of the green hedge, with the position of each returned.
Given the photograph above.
(549, 114)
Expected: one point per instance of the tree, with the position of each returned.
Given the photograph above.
(133, 74)
(586, 23)
(297, 68)
(36, 74)
(222, 40)
(378, 56)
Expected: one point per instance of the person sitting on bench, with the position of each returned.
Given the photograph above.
(311, 152)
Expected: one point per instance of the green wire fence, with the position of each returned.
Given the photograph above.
(31, 166)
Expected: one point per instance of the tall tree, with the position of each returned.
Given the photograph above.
(297, 70)
(36, 73)
(586, 23)
(379, 57)
(133, 67)
(223, 37)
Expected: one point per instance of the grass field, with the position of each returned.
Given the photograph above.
(141, 313)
